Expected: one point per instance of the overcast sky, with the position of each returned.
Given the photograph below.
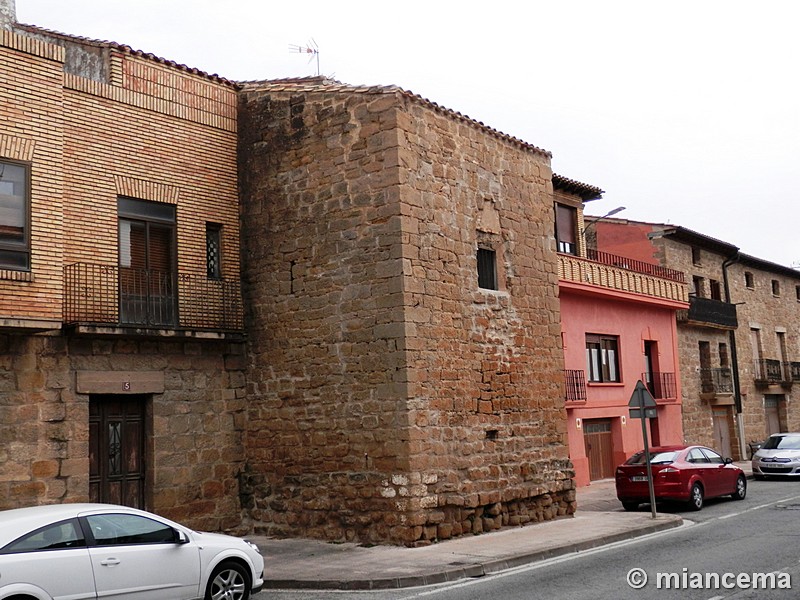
(685, 112)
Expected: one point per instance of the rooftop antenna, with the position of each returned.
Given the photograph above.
(311, 49)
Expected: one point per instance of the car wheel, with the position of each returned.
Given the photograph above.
(229, 581)
(741, 488)
(630, 505)
(696, 497)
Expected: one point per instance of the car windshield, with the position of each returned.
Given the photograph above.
(782, 442)
(662, 458)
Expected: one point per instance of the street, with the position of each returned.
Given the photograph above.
(702, 560)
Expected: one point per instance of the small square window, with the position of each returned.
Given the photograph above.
(487, 269)
(797, 292)
(748, 280)
(776, 287)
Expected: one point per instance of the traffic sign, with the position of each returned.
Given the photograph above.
(641, 397)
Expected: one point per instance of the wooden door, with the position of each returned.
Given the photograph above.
(599, 448)
(772, 414)
(116, 450)
(722, 432)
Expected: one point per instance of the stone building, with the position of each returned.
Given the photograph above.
(405, 377)
(618, 329)
(121, 323)
(739, 338)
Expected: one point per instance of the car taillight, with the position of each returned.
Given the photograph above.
(670, 473)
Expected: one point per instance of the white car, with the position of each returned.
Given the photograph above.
(779, 456)
(80, 551)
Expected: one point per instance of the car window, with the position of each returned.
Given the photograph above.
(662, 458)
(713, 457)
(123, 529)
(66, 534)
(783, 442)
(695, 456)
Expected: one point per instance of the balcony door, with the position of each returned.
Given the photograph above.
(147, 263)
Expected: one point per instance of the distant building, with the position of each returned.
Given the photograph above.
(618, 328)
(739, 343)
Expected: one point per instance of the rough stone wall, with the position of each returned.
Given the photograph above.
(758, 307)
(391, 400)
(194, 449)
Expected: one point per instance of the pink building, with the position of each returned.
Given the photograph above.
(618, 327)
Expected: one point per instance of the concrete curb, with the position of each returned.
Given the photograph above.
(478, 569)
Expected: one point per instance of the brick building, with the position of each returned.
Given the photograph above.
(618, 328)
(405, 381)
(739, 338)
(121, 354)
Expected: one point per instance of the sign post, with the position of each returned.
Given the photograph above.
(643, 406)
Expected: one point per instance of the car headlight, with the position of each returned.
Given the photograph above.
(252, 546)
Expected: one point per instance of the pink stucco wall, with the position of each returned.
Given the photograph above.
(587, 309)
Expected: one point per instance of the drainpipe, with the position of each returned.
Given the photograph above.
(737, 395)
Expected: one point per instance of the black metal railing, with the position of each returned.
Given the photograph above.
(712, 312)
(794, 369)
(111, 295)
(636, 266)
(575, 381)
(716, 380)
(662, 386)
(768, 370)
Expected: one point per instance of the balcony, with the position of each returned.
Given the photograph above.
(709, 313)
(794, 370)
(662, 386)
(575, 383)
(619, 273)
(769, 371)
(716, 380)
(117, 300)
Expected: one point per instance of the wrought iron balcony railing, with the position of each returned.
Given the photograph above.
(575, 381)
(718, 380)
(662, 386)
(794, 368)
(770, 371)
(119, 296)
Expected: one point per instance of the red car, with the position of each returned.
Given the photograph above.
(680, 473)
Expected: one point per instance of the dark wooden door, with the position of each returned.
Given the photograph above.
(116, 450)
(599, 449)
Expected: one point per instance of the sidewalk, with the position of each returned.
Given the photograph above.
(600, 520)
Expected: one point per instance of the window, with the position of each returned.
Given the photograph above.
(66, 534)
(715, 289)
(724, 359)
(566, 229)
(123, 529)
(15, 251)
(213, 251)
(696, 257)
(487, 269)
(776, 287)
(602, 360)
(748, 280)
(698, 285)
(797, 291)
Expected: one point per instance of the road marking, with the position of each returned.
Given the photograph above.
(583, 553)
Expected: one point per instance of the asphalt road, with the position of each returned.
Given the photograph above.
(729, 550)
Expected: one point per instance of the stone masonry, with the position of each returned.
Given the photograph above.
(390, 398)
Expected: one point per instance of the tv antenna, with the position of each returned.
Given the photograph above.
(311, 49)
